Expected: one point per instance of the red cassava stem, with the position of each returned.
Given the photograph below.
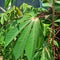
(53, 27)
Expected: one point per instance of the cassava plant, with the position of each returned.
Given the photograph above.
(32, 34)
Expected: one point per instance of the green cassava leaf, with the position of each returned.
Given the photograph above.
(2, 19)
(56, 43)
(58, 20)
(46, 4)
(41, 36)
(14, 32)
(57, 8)
(25, 18)
(32, 40)
(5, 17)
(47, 52)
(21, 42)
(7, 3)
(43, 55)
(51, 1)
(1, 40)
(58, 2)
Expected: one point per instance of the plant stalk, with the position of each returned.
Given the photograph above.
(53, 27)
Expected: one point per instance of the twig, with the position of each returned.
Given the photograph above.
(57, 38)
(57, 33)
(58, 28)
(2, 9)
